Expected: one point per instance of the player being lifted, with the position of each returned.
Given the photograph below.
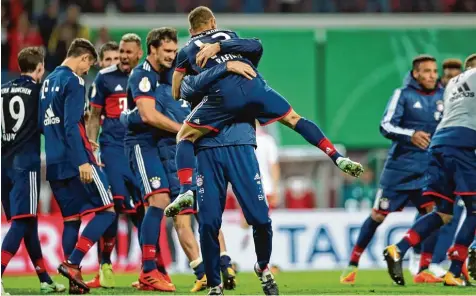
(452, 172)
(21, 164)
(78, 184)
(109, 98)
(231, 96)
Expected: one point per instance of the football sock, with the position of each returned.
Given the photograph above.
(11, 242)
(150, 233)
(263, 239)
(159, 261)
(225, 261)
(422, 229)
(417, 248)
(109, 241)
(427, 250)
(198, 268)
(366, 234)
(459, 252)
(185, 160)
(313, 134)
(91, 234)
(33, 247)
(70, 236)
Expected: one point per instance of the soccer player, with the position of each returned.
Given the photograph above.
(78, 183)
(451, 68)
(229, 157)
(108, 98)
(254, 97)
(166, 144)
(141, 147)
(409, 120)
(21, 164)
(108, 55)
(451, 172)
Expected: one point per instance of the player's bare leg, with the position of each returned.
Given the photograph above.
(183, 226)
(227, 272)
(311, 132)
(185, 159)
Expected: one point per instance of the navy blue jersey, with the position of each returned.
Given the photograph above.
(20, 134)
(61, 115)
(109, 93)
(142, 84)
(231, 48)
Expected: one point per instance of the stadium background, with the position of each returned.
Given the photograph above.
(336, 61)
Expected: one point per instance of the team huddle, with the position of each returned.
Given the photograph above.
(165, 137)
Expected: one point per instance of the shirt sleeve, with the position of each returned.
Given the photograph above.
(74, 128)
(142, 85)
(183, 64)
(98, 95)
(392, 117)
(196, 86)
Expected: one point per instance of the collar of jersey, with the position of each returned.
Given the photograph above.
(27, 78)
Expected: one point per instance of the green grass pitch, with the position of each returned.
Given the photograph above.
(290, 283)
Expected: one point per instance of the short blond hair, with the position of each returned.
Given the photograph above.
(470, 61)
(131, 37)
(199, 17)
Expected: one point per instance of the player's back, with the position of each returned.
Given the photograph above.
(109, 93)
(20, 134)
(186, 58)
(458, 126)
(57, 87)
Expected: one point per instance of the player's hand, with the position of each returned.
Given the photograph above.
(207, 50)
(421, 139)
(350, 167)
(86, 173)
(94, 145)
(241, 68)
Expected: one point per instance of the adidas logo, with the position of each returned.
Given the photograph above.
(328, 150)
(417, 105)
(462, 92)
(257, 177)
(50, 117)
(197, 121)
(118, 88)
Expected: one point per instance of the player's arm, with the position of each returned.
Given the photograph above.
(73, 111)
(181, 69)
(97, 101)
(390, 125)
(250, 48)
(143, 92)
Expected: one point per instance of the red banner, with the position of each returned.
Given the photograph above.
(125, 258)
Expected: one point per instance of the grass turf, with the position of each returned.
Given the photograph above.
(375, 282)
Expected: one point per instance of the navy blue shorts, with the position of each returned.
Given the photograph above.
(254, 99)
(148, 169)
(452, 172)
(124, 185)
(236, 165)
(20, 192)
(389, 201)
(77, 199)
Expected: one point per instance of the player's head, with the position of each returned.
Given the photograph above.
(83, 54)
(451, 68)
(425, 71)
(32, 62)
(470, 62)
(162, 46)
(130, 50)
(201, 19)
(108, 54)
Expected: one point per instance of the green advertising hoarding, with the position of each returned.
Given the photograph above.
(344, 81)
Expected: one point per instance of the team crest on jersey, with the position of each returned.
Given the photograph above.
(199, 180)
(93, 90)
(144, 85)
(155, 182)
